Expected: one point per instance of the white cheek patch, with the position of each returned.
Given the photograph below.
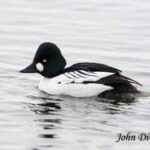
(39, 67)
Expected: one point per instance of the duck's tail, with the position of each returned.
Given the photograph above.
(120, 83)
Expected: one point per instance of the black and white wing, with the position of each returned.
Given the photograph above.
(92, 67)
(97, 73)
(87, 72)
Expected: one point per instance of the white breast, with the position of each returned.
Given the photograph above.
(70, 85)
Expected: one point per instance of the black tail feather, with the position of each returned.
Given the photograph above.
(131, 80)
(120, 83)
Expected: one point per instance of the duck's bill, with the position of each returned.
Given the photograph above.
(30, 69)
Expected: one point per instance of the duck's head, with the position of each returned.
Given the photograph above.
(48, 61)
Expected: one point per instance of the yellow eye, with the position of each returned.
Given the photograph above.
(44, 60)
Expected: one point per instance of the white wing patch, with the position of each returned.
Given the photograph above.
(71, 83)
(81, 76)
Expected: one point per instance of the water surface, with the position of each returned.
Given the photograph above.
(113, 32)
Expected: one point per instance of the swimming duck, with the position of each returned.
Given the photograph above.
(83, 79)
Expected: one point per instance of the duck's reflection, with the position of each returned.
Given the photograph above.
(49, 136)
(47, 111)
(120, 100)
(46, 106)
(114, 103)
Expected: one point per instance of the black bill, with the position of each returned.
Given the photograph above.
(30, 69)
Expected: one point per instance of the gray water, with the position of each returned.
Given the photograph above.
(113, 32)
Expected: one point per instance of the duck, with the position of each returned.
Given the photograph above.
(83, 79)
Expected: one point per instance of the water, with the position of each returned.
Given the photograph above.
(112, 32)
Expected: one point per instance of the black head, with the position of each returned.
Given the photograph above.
(48, 61)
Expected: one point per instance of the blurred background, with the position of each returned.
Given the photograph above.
(112, 32)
